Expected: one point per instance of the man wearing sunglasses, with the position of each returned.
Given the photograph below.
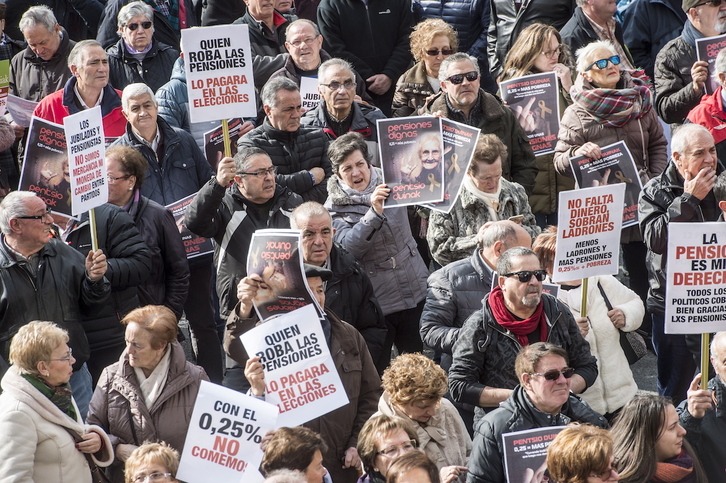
(514, 315)
(461, 99)
(680, 78)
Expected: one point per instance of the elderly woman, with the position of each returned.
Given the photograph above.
(138, 56)
(582, 454)
(432, 41)
(381, 242)
(299, 449)
(152, 462)
(539, 49)
(612, 105)
(414, 387)
(650, 444)
(382, 439)
(541, 399)
(413, 467)
(149, 394)
(44, 437)
(485, 196)
(611, 307)
(169, 279)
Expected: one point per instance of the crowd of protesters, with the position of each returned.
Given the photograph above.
(95, 380)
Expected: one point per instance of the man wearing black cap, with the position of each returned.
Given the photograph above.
(339, 428)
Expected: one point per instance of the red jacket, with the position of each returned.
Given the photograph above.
(55, 107)
(709, 113)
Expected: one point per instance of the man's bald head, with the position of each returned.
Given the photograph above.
(495, 238)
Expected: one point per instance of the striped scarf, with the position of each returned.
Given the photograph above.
(614, 107)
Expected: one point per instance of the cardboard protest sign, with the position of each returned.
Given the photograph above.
(45, 170)
(535, 100)
(525, 453)
(194, 245)
(275, 256)
(214, 142)
(309, 93)
(20, 109)
(588, 238)
(224, 436)
(615, 166)
(86, 153)
(459, 145)
(707, 49)
(300, 376)
(4, 85)
(218, 63)
(695, 301)
(411, 155)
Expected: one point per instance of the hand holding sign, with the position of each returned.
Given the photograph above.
(589, 150)
(255, 374)
(699, 400)
(699, 74)
(247, 290)
(226, 171)
(96, 265)
(378, 197)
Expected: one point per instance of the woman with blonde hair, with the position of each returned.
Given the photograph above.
(44, 438)
(582, 454)
(152, 462)
(382, 439)
(432, 41)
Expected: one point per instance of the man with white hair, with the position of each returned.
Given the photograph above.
(683, 193)
(87, 88)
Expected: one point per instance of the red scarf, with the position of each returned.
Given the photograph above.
(520, 328)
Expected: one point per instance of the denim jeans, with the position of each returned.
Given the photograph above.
(675, 364)
(82, 387)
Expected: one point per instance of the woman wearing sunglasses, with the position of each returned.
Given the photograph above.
(611, 105)
(137, 56)
(432, 41)
(541, 399)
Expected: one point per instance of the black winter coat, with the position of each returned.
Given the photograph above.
(33, 78)
(154, 70)
(294, 154)
(79, 17)
(674, 94)
(578, 32)
(363, 122)
(264, 41)
(129, 265)
(484, 352)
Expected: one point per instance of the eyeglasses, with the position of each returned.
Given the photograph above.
(526, 275)
(558, 50)
(611, 472)
(261, 173)
(67, 358)
(150, 477)
(299, 43)
(112, 180)
(457, 79)
(134, 26)
(401, 448)
(334, 86)
(436, 52)
(602, 63)
(48, 212)
(714, 3)
(554, 374)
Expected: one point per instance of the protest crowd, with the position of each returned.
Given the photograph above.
(408, 260)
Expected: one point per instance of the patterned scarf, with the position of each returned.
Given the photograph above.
(61, 395)
(169, 9)
(362, 197)
(676, 470)
(614, 107)
(520, 328)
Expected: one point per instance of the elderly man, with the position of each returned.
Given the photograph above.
(683, 193)
(541, 399)
(680, 78)
(305, 45)
(177, 169)
(339, 428)
(298, 153)
(137, 56)
(595, 20)
(42, 278)
(515, 314)
(87, 88)
(349, 292)
(702, 413)
(337, 112)
(462, 100)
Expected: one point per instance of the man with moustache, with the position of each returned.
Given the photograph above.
(514, 315)
(462, 100)
(680, 78)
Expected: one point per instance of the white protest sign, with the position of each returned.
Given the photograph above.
(300, 376)
(309, 92)
(588, 236)
(218, 63)
(86, 152)
(223, 440)
(696, 282)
